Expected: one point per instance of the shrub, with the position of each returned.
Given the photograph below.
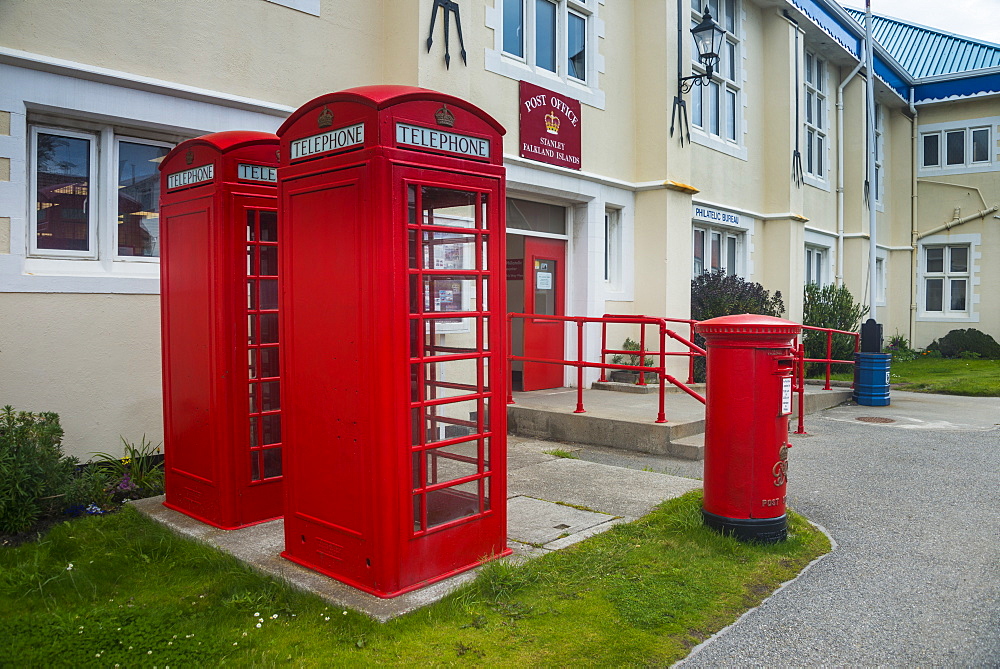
(34, 473)
(830, 307)
(716, 294)
(956, 342)
(719, 294)
(899, 348)
(138, 474)
(631, 359)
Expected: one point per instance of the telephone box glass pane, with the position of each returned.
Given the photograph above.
(268, 226)
(252, 329)
(270, 396)
(269, 362)
(449, 463)
(449, 250)
(452, 378)
(268, 293)
(254, 432)
(252, 295)
(139, 199)
(269, 261)
(254, 398)
(448, 504)
(412, 248)
(251, 225)
(545, 287)
(271, 432)
(448, 336)
(452, 208)
(63, 201)
(255, 466)
(269, 328)
(448, 293)
(252, 359)
(272, 462)
(447, 421)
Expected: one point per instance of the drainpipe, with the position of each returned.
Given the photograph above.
(840, 172)
(913, 219)
(872, 182)
(959, 221)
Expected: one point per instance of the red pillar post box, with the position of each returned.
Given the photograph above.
(393, 312)
(219, 299)
(750, 368)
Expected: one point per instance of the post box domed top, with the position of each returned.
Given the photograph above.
(748, 327)
(391, 120)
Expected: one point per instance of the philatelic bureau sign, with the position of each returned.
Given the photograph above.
(550, 127)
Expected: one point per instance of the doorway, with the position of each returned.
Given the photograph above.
(536, 284)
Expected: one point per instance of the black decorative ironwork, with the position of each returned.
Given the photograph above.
(448, 7)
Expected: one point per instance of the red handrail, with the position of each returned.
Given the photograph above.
(642, 369)
(798, 352)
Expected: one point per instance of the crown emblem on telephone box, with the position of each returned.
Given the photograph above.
(552, 123)
(445, 117)
(325, 119)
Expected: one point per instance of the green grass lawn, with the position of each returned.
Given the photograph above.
(121, 590)
(975, 378)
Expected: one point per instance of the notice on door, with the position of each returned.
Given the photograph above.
(543, 280)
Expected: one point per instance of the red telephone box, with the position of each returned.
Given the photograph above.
(749, 372)
(394, 354)
(219, 299)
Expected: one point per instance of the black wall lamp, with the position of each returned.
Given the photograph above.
(708, 36)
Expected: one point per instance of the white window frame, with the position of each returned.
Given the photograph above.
(816, 121)
(817, 259)
(881, 275)
(727, 80)
(613, 250)
(103, 196)
(991, 125)
(93, 195)
(118, 139)
(525, 68)
(725, 235)
(971, 277)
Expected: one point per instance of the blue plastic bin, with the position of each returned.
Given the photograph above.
(871, 379)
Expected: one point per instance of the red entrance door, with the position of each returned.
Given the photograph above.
(544, 295)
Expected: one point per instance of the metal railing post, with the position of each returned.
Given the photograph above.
(510, 362)
(579, 367)
(604, 348)
(661, 416)
(829, 356)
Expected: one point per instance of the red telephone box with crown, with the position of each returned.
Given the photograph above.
(219, 299)
(394, 352)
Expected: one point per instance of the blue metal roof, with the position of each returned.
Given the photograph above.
(927, 52)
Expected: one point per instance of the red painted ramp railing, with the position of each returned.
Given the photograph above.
(663, 333)
(660, 354)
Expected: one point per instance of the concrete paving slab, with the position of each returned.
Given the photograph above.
(612, 490)
(535, 521)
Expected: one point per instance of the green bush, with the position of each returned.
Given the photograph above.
(899, 348)
(34, 473)
(957, 342)
(716, 294)
(830, 307)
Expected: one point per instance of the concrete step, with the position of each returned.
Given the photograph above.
(627, 420)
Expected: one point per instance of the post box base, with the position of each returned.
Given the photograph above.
(763, 530)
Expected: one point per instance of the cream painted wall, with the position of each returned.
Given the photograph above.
(250, 48)
(93, 359)
(942, 198)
